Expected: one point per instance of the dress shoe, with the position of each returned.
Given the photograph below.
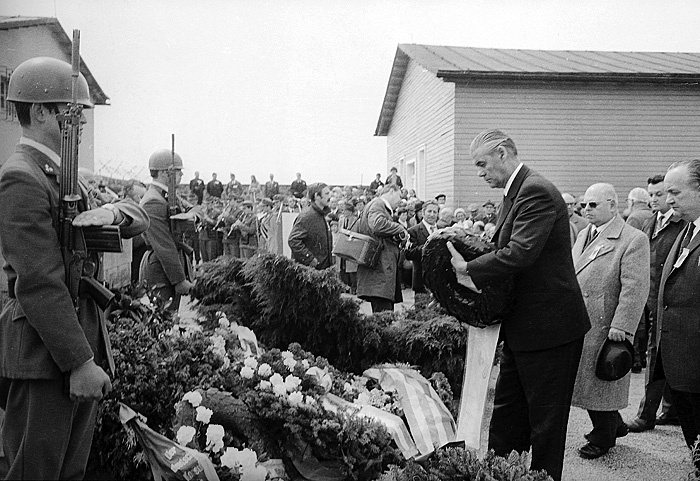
(620, 432)
(591, 451)
(664, 419)
(638, 425)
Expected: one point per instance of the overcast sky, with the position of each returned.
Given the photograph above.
(259, 87)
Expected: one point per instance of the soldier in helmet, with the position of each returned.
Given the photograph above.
(53, 353)
(166, 267)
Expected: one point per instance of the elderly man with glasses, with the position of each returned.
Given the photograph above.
(612, 267)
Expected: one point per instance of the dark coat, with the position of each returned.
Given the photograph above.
(164, 266)
(41, 336)
(311, 238)
(678, 311)
(532, 236)
(418, 234)
(613, 272)
(380, 280)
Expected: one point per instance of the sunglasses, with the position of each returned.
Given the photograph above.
(592, 205)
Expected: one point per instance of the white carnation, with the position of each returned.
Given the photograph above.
(295, 398)
(247, 372)
(185, 434)
(251, 362)
(204, 414)
(194, 398)
(264, 370)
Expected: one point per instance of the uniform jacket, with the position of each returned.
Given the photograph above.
(613, 272)
(418, 234)
(532, 236)
(249, 230)
(164, 266)
(41, 336)
(311, 238)
(678, 312)
(380, 280)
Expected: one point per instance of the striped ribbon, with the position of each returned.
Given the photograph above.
(429, 420)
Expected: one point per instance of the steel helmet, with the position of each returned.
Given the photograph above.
(45, 80)
(163, 160)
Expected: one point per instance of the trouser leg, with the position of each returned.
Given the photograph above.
(46, 435)
(688, 406)
(605, 424)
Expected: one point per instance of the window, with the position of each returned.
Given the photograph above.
(7, 110)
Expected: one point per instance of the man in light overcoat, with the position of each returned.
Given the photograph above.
(611, 259)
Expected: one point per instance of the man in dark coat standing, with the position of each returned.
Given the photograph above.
(197, 188)
(678, 308)
(543, 336)
(214, 187)
(662, 230)
(417, 235)
(380, 285)
(310, 240)
(54, 348)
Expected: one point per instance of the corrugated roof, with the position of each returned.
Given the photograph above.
(460, 63)
(7, 23)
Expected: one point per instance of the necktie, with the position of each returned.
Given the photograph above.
(688, 237)
(592, 234)
(659, 225)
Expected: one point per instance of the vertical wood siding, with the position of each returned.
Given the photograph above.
(424, 116)
(577, 134)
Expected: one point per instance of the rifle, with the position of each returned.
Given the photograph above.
(77, 243)
(180, 227)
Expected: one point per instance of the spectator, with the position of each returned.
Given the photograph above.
(662, 230)
(214, 187)
(542, 346)
(612, 264)
(473, 211)
(678, 326)
(197, 187)
(254, 190)
(489, 215)
(298, 187)
(418, 235)
(461, 220)
(401, 217)
(638, 205)
(272, 188)
(445, 218)
(441, 199)
(376, 184)
(394, 178)
(577, 223)
(310, 239)
(233, 188)
(380, 285)
(417, 216)
(348, 269)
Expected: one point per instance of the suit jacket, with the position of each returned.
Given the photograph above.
(418, 234)
(613, 272)
(678, 312)
(533, 246)
(41, 335)
(381, 280)
(165, 265)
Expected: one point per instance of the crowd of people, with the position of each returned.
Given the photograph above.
(592, 280)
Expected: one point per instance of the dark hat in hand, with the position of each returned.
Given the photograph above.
(614, 360)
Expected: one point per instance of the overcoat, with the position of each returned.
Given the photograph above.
(310, 238)
(41, 335)
(613, 272)
(678, 311)
(418, 234)
(381, 280)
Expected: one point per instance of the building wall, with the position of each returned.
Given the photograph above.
(577, 134)
(424, 119)
(20, 44)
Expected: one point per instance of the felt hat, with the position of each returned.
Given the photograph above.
(614, 360)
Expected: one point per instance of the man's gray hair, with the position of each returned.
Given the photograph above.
(693, 169)
(489, 140)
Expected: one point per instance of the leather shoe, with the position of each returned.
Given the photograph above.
(591, 451)
(620, 432)
(638, 425)
(664, 419)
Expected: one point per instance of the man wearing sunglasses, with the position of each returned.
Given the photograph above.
(543, 336)
(612, 266)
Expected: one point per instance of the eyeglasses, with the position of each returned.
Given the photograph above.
(592, 205)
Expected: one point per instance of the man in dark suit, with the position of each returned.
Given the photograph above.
(417, 235)
(54, 346)
(543, 336)
(678, 307)
(662, 229)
